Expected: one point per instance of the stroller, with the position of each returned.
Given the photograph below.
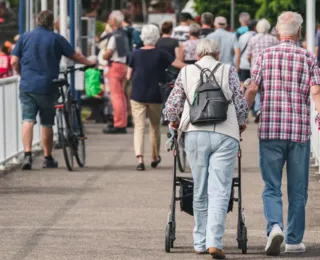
(185, 198)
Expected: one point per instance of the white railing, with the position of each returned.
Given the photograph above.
(10, 122)
(315, 139)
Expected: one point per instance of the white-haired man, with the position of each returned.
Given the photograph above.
(228, 43)
(244, 20)
(116, 55)
(256, 45)
(285, 75)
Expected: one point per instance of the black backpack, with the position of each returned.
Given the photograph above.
(209, 105)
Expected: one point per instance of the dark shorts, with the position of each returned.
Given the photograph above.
(32, 104)
(244, 74)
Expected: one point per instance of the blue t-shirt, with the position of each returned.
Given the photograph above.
(148, 71)
(39, 52)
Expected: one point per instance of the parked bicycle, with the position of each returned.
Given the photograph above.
(71, 133)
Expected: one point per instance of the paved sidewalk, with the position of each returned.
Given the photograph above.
(109, 211)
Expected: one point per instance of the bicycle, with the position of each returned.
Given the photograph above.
(71, 134)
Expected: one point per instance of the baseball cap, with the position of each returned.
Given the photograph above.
(220, 20)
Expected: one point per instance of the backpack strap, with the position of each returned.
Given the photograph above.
(203, 71)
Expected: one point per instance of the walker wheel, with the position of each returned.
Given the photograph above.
(244, 239)
(168, 242)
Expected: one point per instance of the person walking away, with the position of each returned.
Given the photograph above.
(116, 55)
(36, 57)
(181, 32)
(206, 24)
(187, 49)
(284, 130)
(244, 20)
(147, 69)
(228, 43)
(166, 42)
(257, 44)
(5, 66)
(171, 46)
(211, 149)
(244, 72)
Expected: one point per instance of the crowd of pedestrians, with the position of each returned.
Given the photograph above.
(249, 66)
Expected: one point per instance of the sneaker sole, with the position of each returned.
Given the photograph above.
(275, 246)
(217, 256)
(295, 251)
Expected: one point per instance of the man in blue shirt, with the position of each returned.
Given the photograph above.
(36, 57)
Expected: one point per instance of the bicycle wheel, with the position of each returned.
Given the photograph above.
(79, 142)
(64, 140)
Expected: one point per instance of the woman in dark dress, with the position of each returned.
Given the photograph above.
(147, 69)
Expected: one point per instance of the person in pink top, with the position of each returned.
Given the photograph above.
(5, 67)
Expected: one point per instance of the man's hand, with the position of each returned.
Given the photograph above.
(251, 93)
(242, 128)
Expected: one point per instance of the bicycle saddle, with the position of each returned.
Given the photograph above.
(59, 82)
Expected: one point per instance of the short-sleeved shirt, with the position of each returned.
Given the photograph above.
(4, 65)
(40, 52)
(227, 43)
(243, 44)
(284, 74)
(181, 33)
(204, 32)
(168, 44)
(258, 44)
(148, 71)
(112, 46)
(189, 49)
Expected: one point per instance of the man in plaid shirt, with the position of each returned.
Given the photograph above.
(285, 75)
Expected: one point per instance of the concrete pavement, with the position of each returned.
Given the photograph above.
(110, 211)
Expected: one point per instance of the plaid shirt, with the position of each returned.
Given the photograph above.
(285, 73)
(258, 43)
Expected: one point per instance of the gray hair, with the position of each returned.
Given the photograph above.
(118, 16)
(289, 23)
(207, 47)
(244, 17)
(150, 34)
(195, 30)
(207, 18)
(263, 26)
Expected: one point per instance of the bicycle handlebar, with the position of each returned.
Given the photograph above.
(71, 69)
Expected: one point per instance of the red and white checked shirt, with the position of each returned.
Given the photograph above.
(258, 43)
(285, 73)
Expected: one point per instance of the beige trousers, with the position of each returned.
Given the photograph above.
(139, 115)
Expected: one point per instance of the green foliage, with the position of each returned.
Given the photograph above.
(223, 7)
(14, 2)
(99, 27)
(269, 9)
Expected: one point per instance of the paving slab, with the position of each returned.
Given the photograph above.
(109, 211)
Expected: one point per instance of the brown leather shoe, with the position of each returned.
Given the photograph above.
(216, 253)
(201, 252)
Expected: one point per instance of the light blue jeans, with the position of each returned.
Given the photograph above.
(273, 155)
(212, 158)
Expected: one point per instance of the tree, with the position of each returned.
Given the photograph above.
(269, 9)
(222, 7)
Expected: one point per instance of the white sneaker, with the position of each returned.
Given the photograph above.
(299, 248)
(275, 240)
